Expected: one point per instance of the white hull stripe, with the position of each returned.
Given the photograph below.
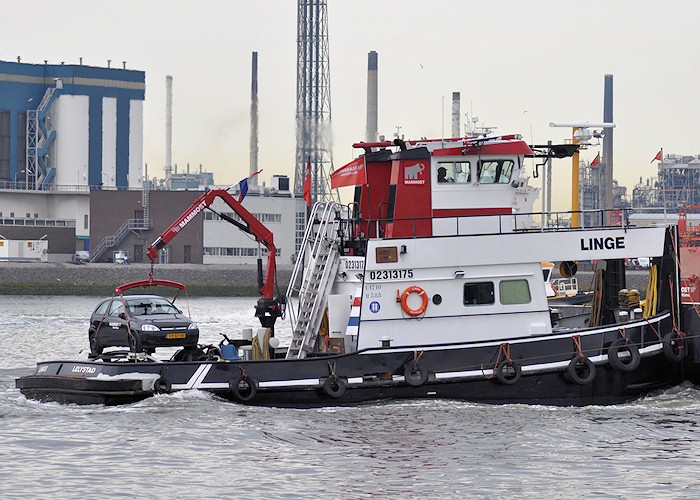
(496, 343)
(196, 381)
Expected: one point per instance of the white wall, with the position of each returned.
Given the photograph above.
(72, 126)
(221, 234)
(48, 205)
(109, 141)
(135, 143)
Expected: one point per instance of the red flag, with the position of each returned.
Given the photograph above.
(657, 157)
(352, 174)
(307, 184)
(596, 160)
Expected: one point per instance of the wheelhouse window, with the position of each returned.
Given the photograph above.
(478, 293)
(456, 172)
(514, 292)
(495, 171)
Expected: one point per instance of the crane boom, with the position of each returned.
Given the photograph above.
(268, 308)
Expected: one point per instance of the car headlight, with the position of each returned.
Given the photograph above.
(192, 326)
(148, 327)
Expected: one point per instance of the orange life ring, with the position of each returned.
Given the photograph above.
(404, 298)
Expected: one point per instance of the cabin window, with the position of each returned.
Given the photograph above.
(456, 172)
(478, 293)
(514, 292)
(495, 171)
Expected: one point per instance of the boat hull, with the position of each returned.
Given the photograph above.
(82, 390)
(475, 372)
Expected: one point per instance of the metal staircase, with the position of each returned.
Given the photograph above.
(110, 241)
(40, 135)
(320, 250)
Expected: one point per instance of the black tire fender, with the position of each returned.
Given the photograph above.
(162, 386)
(246, 393)
(508, 379)
(620, 365)
(415, 374)
(334, 386)
(674, 347)
(573, 370)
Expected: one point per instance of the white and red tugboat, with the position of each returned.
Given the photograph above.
(428, 285)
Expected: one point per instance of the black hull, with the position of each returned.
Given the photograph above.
(81, 390)
(461, 372)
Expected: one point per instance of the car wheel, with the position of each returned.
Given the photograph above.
(95, 348)
(134, 343)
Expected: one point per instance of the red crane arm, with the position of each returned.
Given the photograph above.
(251, 225)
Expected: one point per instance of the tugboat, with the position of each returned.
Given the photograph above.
(428, 285)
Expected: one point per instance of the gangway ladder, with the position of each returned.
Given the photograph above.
(320, 248)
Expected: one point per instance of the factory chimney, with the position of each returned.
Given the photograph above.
(253, 181)
(456, 128)
(372, 99)
(168, 130)
(607, 164)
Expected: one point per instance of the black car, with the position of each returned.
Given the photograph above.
(140, 322)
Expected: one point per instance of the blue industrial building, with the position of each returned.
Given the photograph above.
(70, 125)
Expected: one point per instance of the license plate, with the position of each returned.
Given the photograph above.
(175, 335)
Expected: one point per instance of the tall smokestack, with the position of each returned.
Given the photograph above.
(168, 129)
(456, 125)
(607, 200)
(372, 98)
(253, 182)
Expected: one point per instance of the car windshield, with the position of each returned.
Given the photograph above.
(150, 305)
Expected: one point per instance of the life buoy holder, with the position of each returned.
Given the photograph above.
(404, 298)
(628, 365)
(244, 388)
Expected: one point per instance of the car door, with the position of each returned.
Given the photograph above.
(113, 329)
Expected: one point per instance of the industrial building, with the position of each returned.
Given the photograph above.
(66, 130)
(677, 184)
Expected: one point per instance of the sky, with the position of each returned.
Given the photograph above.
(517, 65)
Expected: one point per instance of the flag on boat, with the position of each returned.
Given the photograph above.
(658, 156)
(307, 183)
(243, 186)
(596, 160)
(352, 174)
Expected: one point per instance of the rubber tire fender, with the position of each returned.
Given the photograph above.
(614, 356)
(334, 386)
(162, 386)
(234, 385)
(502, 378)
(573, 374)
(674, 354)
(419, 369)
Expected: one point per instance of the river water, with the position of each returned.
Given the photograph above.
(193, 445)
